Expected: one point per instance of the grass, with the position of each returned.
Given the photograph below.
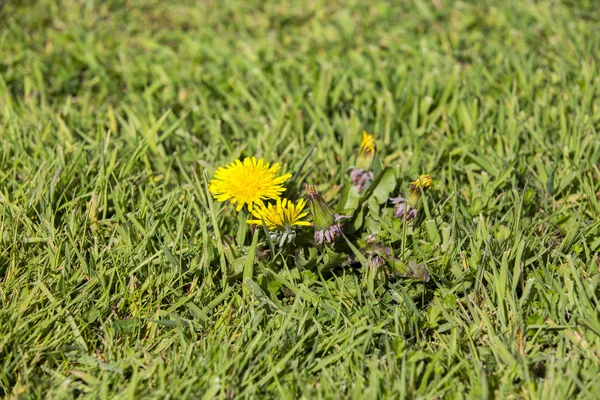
(112, 256)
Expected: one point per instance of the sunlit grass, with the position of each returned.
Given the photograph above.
(121, 277)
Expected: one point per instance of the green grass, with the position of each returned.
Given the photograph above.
(111, 282)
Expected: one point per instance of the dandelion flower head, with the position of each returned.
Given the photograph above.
(248, 182)
(423, 181)
(366, 152)
(282, 215)
(367, 145)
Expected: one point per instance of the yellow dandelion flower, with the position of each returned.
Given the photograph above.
(282, 215)
(423, 181)
(249, 182)
(366, 152)
(414, 193)
(367, 145)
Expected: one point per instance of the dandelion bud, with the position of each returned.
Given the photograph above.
(416, 188)
(406, 208)
(322, 214)
(366, 152)
(327, 224)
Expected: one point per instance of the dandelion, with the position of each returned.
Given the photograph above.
(325, 221)
(423, 181)
(283, 215)
(360, 175)
(249, 182)
(280, 218)
(366, 152)
(406, 208)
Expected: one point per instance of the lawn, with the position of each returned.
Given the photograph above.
(121, 276)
